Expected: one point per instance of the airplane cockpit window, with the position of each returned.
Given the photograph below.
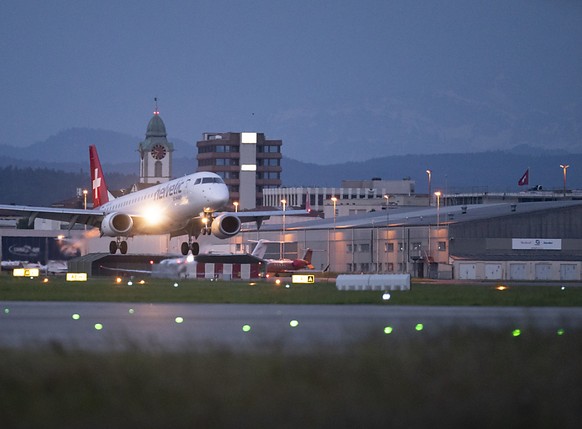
(197, 182)
(211, 180)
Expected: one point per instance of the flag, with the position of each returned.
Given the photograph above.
(524, 179)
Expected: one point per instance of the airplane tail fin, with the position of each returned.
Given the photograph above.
(260, 249)
(307, 258)
(100, 193)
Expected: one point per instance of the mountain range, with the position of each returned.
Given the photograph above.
(453, 172)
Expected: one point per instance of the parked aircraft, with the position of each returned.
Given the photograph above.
(189, 205)
(281, 266)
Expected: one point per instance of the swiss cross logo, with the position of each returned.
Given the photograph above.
(96, 184)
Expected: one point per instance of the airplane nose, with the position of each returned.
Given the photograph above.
(219, 197)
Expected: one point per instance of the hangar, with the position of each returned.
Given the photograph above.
(497, 241)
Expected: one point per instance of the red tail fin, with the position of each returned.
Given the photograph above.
(100, 194)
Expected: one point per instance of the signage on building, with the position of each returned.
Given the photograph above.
(536, 244)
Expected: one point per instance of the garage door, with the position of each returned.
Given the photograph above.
(543, 271)
(467, 271)
(493, 272)
(568, 272)
(517, 272)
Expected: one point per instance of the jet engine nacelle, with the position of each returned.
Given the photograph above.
(116, 224)
(225, 226)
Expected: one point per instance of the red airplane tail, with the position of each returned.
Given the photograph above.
(307, 258)
(100, 194)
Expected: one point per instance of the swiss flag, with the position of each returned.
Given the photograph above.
(524, 179)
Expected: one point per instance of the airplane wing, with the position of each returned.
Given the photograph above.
(87, 217)
(261, 215)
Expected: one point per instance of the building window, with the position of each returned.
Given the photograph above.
(390, 267)
(389, 247)
(417, 245)
(268, 149)
(442, 246)
(269, 162)
(349, 248)
(349, 268)
(364, 247)
(400, 246)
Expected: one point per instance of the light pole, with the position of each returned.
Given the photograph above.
(284, 202)
(334, 201)
(387, 208)
(438, 195)
(429, 172)
(85, 192)
(564, 167)
(235, 206)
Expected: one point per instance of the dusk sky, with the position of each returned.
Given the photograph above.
(335, 80)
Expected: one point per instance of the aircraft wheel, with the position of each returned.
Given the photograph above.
(185, 248)
(123, 247)
(112, 247)
(195, 248)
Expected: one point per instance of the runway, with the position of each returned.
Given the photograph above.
(110, 326)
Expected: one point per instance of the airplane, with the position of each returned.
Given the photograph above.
(282, 266)
(189, 205)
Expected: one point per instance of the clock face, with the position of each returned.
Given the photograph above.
(158, 151)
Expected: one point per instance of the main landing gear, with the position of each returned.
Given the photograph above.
(121, 245)
(189, 246)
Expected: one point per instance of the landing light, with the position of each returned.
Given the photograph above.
(501, 287)
(152, 215)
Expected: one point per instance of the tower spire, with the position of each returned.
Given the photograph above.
(156, 111)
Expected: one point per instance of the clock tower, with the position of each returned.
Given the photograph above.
(155, 153)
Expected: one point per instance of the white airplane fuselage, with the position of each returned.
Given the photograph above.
(169, 206)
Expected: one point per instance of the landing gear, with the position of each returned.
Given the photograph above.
(121, 245)
(186, 247)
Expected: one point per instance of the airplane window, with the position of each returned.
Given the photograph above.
(197, 182)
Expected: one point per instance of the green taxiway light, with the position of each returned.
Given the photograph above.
(419, 327)
(179, 319)
(294, 323)
(131, 311)
(516, 332)
(98, 326)
(246, 328)
(388, 330)
(560, 332)
(76, 316)
(6, 311)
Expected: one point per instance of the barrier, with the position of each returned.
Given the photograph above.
(381, 282)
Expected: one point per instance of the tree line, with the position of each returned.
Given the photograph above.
(44, 187)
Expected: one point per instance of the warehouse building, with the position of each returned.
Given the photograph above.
(502, 241)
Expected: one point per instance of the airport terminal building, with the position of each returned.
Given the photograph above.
(502, 241)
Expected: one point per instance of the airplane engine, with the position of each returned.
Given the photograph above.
(225, 226)
(116, 224)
